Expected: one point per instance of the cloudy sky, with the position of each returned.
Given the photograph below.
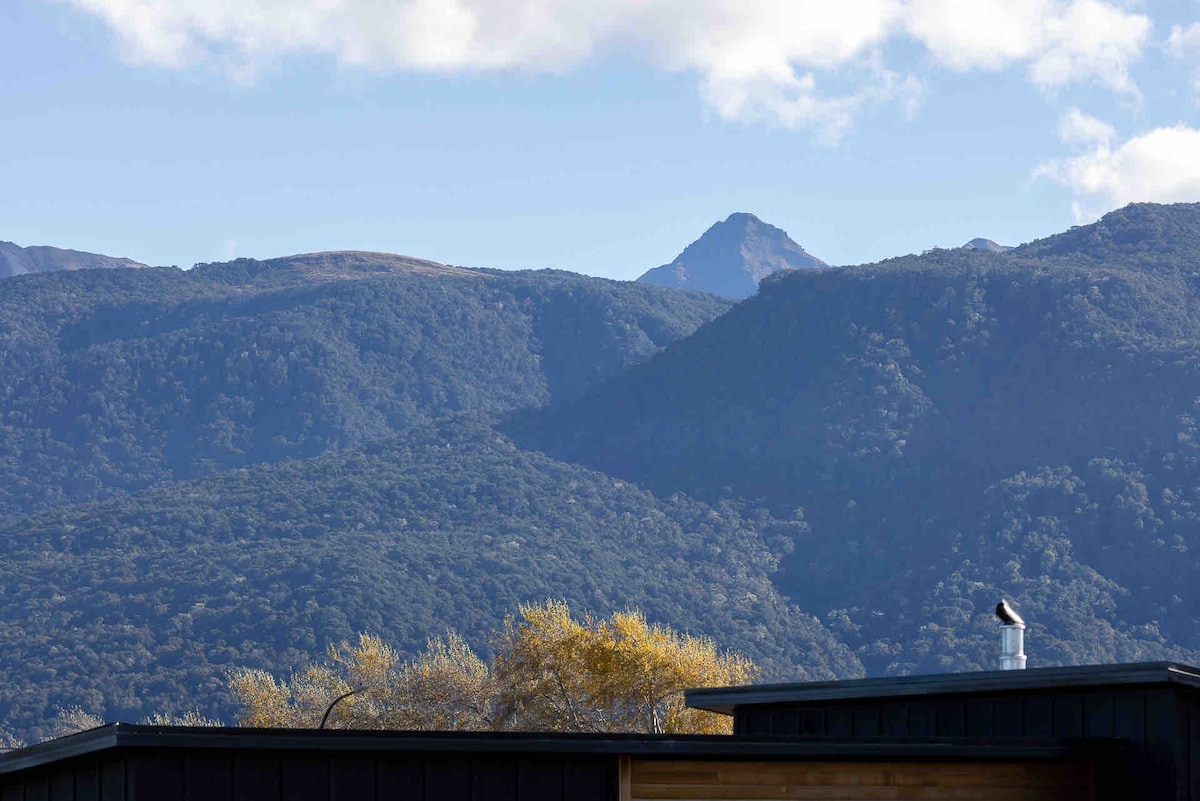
(600, 136)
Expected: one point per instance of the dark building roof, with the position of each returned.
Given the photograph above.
(129, 737)
(727, 699)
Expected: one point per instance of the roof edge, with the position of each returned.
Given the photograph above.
(126, 737)
(725, 699)
(73, 745)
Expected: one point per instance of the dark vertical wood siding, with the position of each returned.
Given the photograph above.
(206, 776)
(302, 779)
(1160, 726)
(297, 776)
(1146, 715)
(1190, 758)
(84, 779)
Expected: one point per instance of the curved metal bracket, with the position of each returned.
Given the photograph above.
(335, 701)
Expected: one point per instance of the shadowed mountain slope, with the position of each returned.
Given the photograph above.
(115, 380)
(957, 427)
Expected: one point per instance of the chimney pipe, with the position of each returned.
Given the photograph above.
(1012, 637)
(1012, 646)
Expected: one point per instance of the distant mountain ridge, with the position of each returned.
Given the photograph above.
(1148, 236)
(16, 260)
(732, 257)
(337, 265)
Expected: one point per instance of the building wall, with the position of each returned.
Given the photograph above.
(1152, 724)
(213, 775)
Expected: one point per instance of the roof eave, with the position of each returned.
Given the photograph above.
(725, 700)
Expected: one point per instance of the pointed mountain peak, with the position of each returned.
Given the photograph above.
(732, 257)
(742, 218)
(979, 243)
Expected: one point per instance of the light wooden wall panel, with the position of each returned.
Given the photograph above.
(659, 780)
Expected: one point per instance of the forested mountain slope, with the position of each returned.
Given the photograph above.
(956, 426)
(1144, 236)
(236, 464)
(120, 379)
(143, 602)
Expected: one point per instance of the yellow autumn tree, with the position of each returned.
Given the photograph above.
(551, 672)
(536, 668)
(616, 675)
(302, 699)
(445, 688)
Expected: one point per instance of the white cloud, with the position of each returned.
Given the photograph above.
(759, 59)
(756, 59)
(1182, 40)
(1077, 128)
(796, 101)
(1160, 166)
(1059, 42)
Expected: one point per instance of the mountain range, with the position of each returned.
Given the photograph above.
(956, 426)
(840, 475)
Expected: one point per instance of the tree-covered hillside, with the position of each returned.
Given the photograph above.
(1144, 236)
(142, 603)
(956, 426)
(235, 465)
(116, 380)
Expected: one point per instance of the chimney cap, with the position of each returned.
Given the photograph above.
(1008, 616)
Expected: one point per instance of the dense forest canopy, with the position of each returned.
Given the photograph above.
(1142, 236)
(120, 379)
(143, 602)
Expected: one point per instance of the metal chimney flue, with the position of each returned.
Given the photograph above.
(1012, 637)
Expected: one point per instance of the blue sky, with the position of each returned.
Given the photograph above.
(595, 137)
